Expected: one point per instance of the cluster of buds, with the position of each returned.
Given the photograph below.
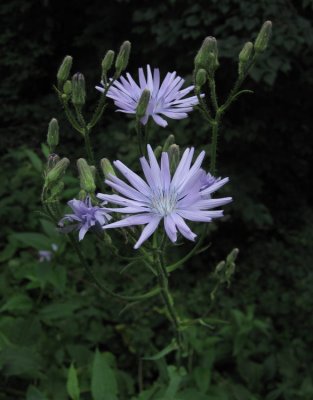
(224, 271)
(206, 59)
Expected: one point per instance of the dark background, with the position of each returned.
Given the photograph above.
(265, 148)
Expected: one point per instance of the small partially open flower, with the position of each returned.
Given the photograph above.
(166, 98)
(85, 217)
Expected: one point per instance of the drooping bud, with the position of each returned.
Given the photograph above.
(107, 61)
(64, 70)
(174, 155)
(53, 135)
(56, 173)
(201, 77)
(78, 90)
(107, 168)
(67, 88)
(53, 159)
(143, 104)
(263, 37)
(207, 57)
(87, 181)
(123, 57)
(244, 57)
(170, 140)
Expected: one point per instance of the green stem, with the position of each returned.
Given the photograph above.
(140, 137)
(90, 155)
(167, 297)
(215, 126)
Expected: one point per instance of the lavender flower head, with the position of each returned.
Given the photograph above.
(165, 99)
(207, 180)
(85, 217)
(162, 197)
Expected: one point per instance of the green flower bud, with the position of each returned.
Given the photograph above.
(53, 159)
(82, 195)
(56, 173)
(232, 256)
(64, 70)
(53, 134)
(201, 77)
(123, 57)
(263, 37)
(245, 56)
(143, 104)
(107, 168)
(158, 151)
(87, 181)
(107, 61)
(170, 140)
(207, 57)
(67, 87)
(56, 190)
(220, 267)
(78, 90)
(174, 156)
(93, 170)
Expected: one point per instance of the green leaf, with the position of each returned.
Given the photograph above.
(34, 394)
(59, 310)
(18, 302)
(34, 159)
(168, 349)
(72, 385)
(36, 240)
(176, 375)
(103, 379)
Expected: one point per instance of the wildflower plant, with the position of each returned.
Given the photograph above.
(171, 196)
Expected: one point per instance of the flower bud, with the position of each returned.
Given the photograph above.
(56, 173)
(78, 90)
(53, 159)
(93, 171)
(220, 267)
(170, 140)
(143, 104)
(87, 181)
(263, 37)
(107, 168)
(232, 256)
(53, 134)
(244, 57)
(107, 61)
(64, 70)
(67, 87)
(82, 195)
(174, 155)
(56, 190)
(157, 151)
(207, 57)
(201, 77)
(123, 57)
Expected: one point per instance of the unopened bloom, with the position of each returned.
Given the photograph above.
(85, 216)
(47, 255)
(166, 98)
(162, 197)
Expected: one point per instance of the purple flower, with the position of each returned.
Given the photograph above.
(85, 217)
(207, 180)
(46, 255)
(166, 98)
(162, 197)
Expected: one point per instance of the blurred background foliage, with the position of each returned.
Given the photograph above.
(57, 333)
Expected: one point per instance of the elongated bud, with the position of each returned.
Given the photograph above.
(201, 77)
(67, 88)
(207, 57)
(64, 70)
(87, 181)
(107, 61)
(56, 173)
(82, 195)
(78, 90)
(93, 170)
(158, 151)
(174, 155)
(53, 134)
(170, 140)
(52, 161)
(263, 37)
(220, 266)
(107, 168)
(143, 104)
(123, 57)
(232, 256)
(244, 57)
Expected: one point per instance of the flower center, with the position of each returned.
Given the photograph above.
(163, 202)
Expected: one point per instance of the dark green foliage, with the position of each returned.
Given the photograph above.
(58, 334)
